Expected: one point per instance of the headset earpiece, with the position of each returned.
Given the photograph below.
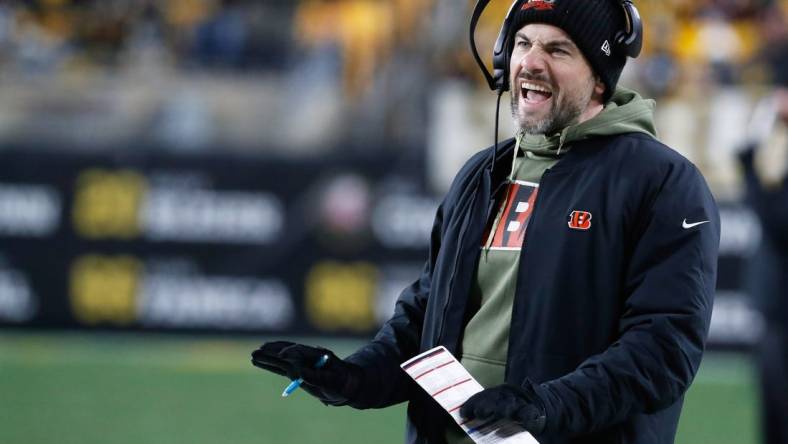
(630, 40)
(500, 51)
(500, 60)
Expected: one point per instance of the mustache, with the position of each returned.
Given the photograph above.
(533, 78)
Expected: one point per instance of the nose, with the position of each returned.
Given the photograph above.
(533, 61)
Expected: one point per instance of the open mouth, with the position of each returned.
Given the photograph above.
(534, 93)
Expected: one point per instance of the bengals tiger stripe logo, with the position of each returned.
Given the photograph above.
(512, 223)
(580, 220)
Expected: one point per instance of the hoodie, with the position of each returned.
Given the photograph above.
(486, 335)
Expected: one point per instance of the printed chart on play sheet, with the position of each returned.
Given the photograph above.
(450, 384)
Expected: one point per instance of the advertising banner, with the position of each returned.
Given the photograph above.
(207, 243)
(151, 241)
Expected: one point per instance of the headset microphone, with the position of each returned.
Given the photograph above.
(497, 80)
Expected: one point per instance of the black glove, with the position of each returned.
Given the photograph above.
(334, 383)
(506, 401)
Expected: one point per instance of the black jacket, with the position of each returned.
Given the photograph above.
(611, 322)
(768, 269)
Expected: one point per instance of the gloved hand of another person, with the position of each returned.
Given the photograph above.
(506, 401)
(335, 382)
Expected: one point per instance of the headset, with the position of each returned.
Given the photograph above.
(627, 41)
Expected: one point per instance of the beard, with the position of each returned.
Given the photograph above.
(566, 107)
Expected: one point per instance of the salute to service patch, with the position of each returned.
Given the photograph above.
(539, 5)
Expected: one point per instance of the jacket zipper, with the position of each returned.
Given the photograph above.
(457, 259)
(454, 270)
(451, 290)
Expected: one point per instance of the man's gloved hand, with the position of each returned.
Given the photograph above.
(333, 383)
(507, 401)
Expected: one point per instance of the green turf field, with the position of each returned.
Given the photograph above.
(64, 388)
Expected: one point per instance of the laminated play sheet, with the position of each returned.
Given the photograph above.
(441, 375)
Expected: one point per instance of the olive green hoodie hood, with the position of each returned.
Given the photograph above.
(626, 112)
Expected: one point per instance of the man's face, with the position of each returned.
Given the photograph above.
(553, 85)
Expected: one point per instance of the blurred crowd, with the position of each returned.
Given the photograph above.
(49, 36)
(352, 41)
(343, 72)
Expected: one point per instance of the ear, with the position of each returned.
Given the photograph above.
(599, 87)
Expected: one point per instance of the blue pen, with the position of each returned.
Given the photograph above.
(297, 383)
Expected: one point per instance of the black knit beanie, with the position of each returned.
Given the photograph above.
(591, 24)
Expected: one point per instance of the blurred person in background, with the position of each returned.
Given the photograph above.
(764, 159)
(590, 328)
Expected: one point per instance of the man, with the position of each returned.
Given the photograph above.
(767, 195)
(574, 279)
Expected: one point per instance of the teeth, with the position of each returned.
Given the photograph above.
(533, 86)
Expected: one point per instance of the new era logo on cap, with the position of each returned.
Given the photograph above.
(539, 5)
(606, 48)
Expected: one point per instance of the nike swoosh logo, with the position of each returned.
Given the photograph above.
(695, 224)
